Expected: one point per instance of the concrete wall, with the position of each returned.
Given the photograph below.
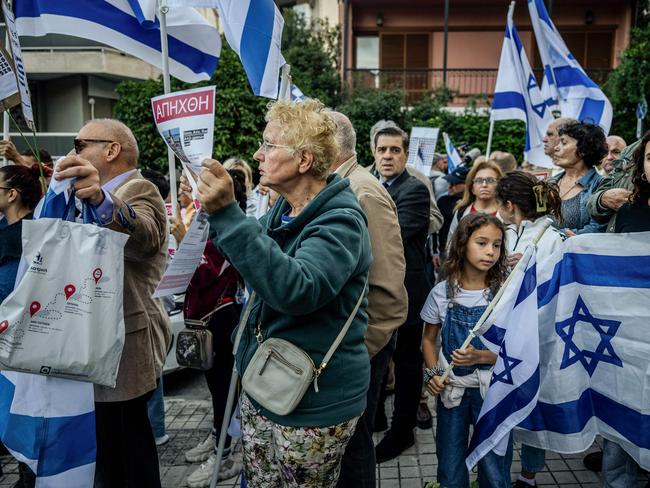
(66, 104)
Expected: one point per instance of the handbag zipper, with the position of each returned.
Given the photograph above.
(280, 359)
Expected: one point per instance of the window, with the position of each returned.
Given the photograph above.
(367, 52)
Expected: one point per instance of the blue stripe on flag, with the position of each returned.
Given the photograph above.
(27, 434)
(514, 401)
(592, 111)
(105, 14)
(256, 41)
(541, 11)
(571, 417)
(495, 335)
(568, 76)
(528, 284)
(595, 270)
(504, 100)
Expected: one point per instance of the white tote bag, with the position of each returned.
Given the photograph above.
(64, 318)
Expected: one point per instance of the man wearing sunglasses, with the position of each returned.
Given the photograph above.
(104, 165)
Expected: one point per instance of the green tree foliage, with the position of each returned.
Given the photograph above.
(313, 51)
(366, 107)
(239, 115)
(630, 82)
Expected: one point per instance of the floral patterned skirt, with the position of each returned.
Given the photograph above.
(281, 456)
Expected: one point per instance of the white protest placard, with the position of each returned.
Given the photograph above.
(186, 259)
(422, 147)
(9, 95)
(185, 120)
(21, 74)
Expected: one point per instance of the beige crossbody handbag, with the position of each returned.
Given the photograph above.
(280, 373)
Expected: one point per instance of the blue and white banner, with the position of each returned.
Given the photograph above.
(453, 158)
(132, 27)
(49, 424)
(517, 95)
(564, 79)
(510, 332)
(46, 422)
(594, 346)
(253, 29)
(296, 94)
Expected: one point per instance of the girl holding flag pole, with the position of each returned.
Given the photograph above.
(476, 268)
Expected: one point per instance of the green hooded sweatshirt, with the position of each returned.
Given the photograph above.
(308, 274)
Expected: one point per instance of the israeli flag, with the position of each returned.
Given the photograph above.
(517, 95)
(49, 423)
(565, 82)
(296, 94)
(131, 26)
(594, 346)
(453, 158)
(253, 29)
(510, 332)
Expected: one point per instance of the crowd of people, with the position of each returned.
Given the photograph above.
(422, 254)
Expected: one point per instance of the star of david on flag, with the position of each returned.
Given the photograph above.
(606, 329)
(593, 313)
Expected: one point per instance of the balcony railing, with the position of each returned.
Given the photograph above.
(415, 83)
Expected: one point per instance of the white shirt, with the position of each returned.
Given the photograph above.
(518, 237)
(437, 304)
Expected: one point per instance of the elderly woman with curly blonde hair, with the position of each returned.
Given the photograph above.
(307, 260)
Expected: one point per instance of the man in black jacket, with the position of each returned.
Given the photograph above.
(412, 200)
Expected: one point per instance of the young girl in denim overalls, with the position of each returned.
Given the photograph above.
(475, 268)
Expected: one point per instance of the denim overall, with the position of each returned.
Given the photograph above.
(452, 433)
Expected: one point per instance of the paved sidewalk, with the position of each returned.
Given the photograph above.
(189, 421)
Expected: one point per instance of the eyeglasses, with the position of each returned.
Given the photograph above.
(80, 144)
(265, 147)
(5, 188)
(484, 181)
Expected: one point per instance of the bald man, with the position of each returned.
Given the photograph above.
(107, 178)
(387, 298)
(615, 146)
(552, 138)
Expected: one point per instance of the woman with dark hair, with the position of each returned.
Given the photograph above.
(634, 216)
(581, 148)
(20, 192)
(525, 204)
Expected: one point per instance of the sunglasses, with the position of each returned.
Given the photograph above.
(80, 144)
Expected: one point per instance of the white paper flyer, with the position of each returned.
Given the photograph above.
(186, 259)
(422, 147)
(185, 120)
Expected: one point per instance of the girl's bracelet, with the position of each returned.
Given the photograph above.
(431, 372)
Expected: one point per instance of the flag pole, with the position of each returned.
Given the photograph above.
(495, 300)
(5, 114)
(171, 161)
(489, 141)
(285, 83)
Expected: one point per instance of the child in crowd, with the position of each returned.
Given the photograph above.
(525, 204)
(475, 269)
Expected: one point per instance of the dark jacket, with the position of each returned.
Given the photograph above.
(411, 198)
(11, 248)
(308, 274)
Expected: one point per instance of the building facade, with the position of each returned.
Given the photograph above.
(389, 44)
